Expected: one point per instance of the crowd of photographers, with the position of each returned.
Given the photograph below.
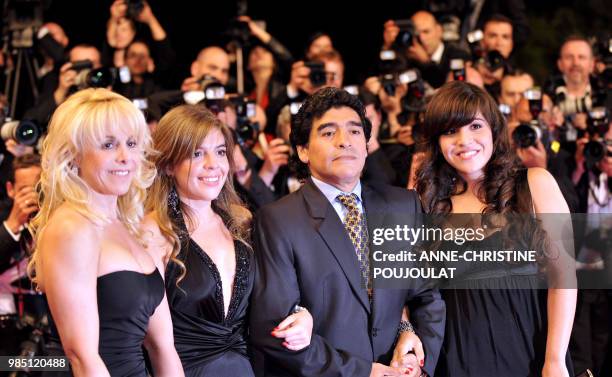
(562, 124)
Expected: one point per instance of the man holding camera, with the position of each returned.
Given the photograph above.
(496, 45)
(16, 299)
(427, 52)
(67, 83)
(573, 91)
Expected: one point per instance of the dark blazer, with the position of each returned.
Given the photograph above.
(304, 255)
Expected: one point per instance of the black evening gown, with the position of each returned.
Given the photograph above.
(496, 317)
(126, 301)
(209, 342)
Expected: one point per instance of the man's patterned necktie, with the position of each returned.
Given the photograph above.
(357, 229)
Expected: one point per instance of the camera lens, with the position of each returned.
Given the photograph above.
(25, 132)
(594, 151)
(525, 136)
(100, 78)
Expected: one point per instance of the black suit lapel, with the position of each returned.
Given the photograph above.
(333, 233)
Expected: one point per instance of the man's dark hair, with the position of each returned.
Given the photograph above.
(23, 162)
(498, 18)
(314, 108)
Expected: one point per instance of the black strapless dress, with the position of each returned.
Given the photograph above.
(210, 342)
(126, 301)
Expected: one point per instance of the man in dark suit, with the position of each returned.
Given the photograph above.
(14, 237)
(429, 53)
(311, 249)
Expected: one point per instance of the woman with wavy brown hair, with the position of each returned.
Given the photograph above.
(498, 322)
(199, 226)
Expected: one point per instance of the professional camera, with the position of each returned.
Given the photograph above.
(506, 110)
(246, 131)
(474, 37)
(317, 74)
(24, 132)
(597, 126)
(494, 60)
(457, 67)
(388, 66)
(21, 18)
(211, 94)
(134, 8)
(413, 102)
(527, 134)
(405, 36)
(87, 77)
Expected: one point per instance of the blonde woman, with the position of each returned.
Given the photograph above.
(199, 225)
(105, 291)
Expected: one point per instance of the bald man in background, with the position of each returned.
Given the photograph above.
(212, 61)
(428, 52)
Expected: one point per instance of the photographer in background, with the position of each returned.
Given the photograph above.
(41, 113)
(496, 48)
(141, 66)
(121, 32)
(427, 51)
(543, 150)
(574, 91)
(512, 87)
(590, 339)
(323, 70)
(17, 300)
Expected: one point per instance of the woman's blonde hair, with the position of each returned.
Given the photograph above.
(177, 136)
(83, 122)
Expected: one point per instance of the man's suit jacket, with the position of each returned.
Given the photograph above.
(304, 256)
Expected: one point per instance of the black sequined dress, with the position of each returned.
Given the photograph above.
(209, 341)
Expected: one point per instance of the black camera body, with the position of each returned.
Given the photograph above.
(134, 8)
(457, 67)
(317, 73)
(406, 35)
(88, 77)
(598, 124)
(246, 131)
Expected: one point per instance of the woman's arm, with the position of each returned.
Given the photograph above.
(159, 343)
(69, 254)
(547, 199)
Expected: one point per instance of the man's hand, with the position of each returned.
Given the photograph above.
(17, 149)
(534, 156)
(417, 52)
(392, 104)
(191, 83)
(579, 121)
(276, 156)
(404, 135)
(390, 33)
(299, 78)
(67, 78)
(24, 204)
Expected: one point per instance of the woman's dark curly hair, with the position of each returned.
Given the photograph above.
(502, 187)
(455, 105)
(314, 108)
